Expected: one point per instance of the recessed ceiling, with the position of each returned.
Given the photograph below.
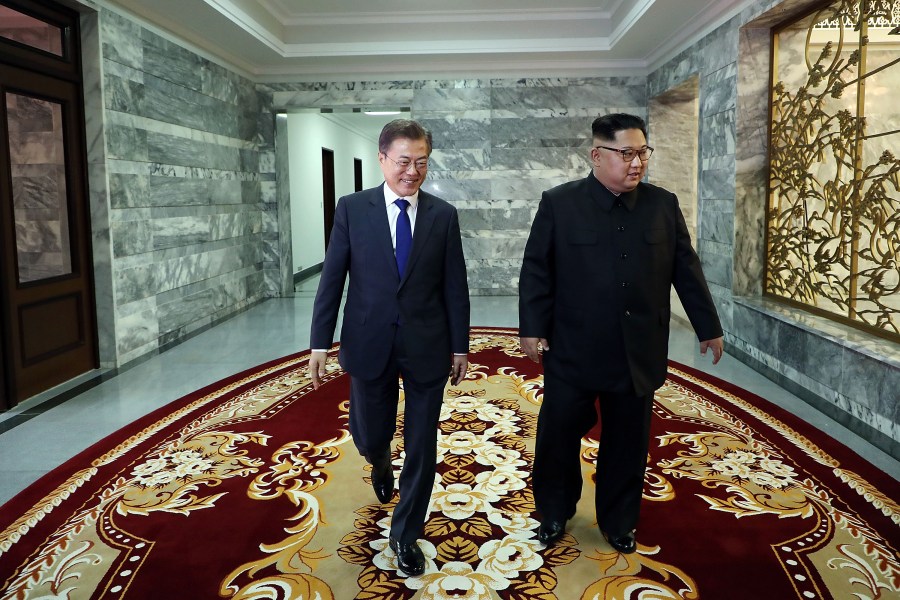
(286, 40)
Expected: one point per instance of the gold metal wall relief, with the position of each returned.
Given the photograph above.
(833, 214)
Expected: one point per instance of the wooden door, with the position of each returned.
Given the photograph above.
(46, 288)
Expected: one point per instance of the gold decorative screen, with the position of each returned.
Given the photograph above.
(833, 214)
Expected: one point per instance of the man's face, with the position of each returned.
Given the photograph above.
(404, 181)
(613, 172)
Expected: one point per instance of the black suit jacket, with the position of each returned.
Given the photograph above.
(596, 280)
(431, 301)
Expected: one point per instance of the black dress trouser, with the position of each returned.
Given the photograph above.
(373, 422)
(567, 414)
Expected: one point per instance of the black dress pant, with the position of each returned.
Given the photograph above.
(373, 422)
(567, 414)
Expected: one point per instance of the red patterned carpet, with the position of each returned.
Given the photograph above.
(250, 488)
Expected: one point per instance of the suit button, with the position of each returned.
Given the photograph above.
(621, 228)
(627, 313)
(624, 285)
(624, 256)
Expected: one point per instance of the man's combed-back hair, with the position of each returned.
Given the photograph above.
(402, 128)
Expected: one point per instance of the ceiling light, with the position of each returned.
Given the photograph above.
(380, 113)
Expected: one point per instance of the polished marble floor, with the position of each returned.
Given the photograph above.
(44, 431)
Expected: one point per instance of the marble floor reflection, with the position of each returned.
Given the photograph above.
(46, 430)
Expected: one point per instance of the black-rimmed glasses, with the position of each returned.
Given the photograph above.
(628, 154)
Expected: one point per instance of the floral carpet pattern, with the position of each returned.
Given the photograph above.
(251, 488)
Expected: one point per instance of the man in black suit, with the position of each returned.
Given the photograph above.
(406, 314)
(594, 292)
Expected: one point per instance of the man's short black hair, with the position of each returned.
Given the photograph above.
(402, 128)
(605, 127)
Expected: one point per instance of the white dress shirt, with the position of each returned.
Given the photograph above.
(393, 212)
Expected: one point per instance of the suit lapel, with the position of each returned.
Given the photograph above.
(424, 221)
(381, 229)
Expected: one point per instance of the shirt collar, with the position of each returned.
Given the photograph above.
(606, 198)
(390, 196)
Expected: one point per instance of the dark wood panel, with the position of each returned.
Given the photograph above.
(50, 327)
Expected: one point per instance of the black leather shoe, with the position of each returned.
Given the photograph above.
(383, 480)
(625, 544)
(550, 531)
(409, 557)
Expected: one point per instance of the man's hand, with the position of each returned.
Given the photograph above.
(458, 368)
(716, 345)
(317, 368)
(533, 346)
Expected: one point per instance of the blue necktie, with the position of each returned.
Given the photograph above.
(404, 235)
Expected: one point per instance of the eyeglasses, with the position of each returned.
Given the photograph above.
(628, 154)
(403, 163)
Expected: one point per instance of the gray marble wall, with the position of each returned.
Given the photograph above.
(186, 224)
(497, 145)
(848, 374)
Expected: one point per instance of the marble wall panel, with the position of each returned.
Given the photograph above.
(220, 83)
(721, 91)
(169, 61)
(614, 94)
(717, 261)
(717, 135)
(126, 143)
(475, 219)
(180, 231)
(178, 191)
(516, 132)
(718, 224)
(167, 102)
(127, 190)
(460, 159)
(230, 191)
(174, 150)
(517, 98)
(816, 358)
(183, 312)
(469, 130)
(470, 193)
(131, 237)
(121, 40)
(182, 154)
(137, 328)
(717, 184)
(451, 99)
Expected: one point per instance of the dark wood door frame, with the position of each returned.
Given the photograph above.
(48, 330)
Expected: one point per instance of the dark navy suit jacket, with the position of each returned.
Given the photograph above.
(431, 301)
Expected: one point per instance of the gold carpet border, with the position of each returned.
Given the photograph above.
(36, 513)
(55, 498)
(854, 481)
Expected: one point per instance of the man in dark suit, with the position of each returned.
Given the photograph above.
(406, 314)
(594, 293)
